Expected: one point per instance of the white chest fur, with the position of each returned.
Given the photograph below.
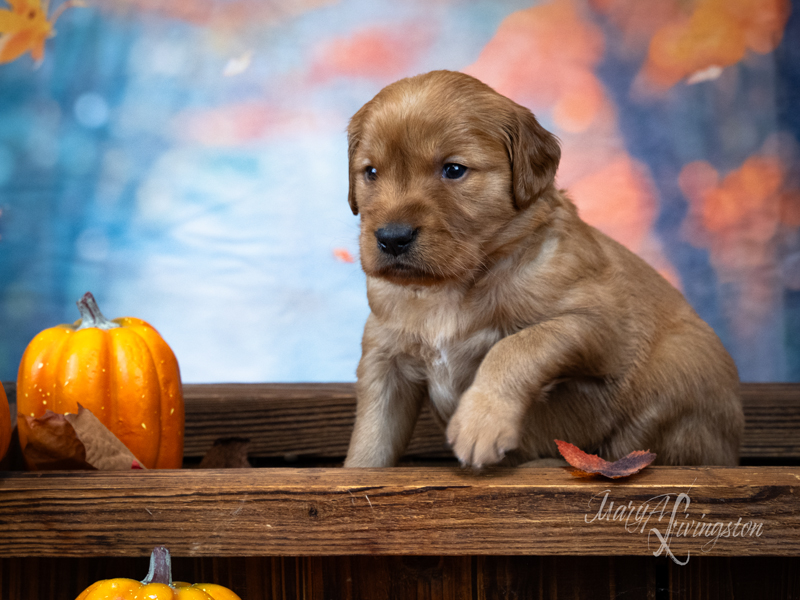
(451, 365)
(439, 332)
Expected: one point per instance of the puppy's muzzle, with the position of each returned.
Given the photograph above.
(396, 238)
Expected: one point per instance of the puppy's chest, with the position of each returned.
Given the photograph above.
(447, 335)
(450, 365)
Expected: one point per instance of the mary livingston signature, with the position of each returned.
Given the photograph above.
(667, 516)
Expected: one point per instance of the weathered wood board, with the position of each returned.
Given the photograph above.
(316, 419)
(665, 511)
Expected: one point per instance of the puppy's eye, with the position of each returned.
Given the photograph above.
(453, 171)
(370, 173)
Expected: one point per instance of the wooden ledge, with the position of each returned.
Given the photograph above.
(402, 511)
(316, 420)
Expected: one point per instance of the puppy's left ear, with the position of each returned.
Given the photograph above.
(353, 138)
(534, 153)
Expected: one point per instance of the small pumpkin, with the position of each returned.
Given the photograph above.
(121, 370)
(5, 423)
(158, 585)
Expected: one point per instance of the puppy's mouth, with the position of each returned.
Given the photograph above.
(406, 271)
(398, 257)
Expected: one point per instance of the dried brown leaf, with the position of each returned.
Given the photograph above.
(53, 444)
(104, 451)
(74, 441)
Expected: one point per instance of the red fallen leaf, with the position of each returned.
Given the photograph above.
(591, 463)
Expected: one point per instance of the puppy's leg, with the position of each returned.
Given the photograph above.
(388, 407)
(706, 421)
(490, 414)
(389, 398)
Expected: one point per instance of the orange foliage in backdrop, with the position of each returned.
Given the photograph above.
(716, 33)
(26, 28)
(739, 218)
(637, 21)
(620, 198)
(544, 58)
(380, 53)
(748, 204)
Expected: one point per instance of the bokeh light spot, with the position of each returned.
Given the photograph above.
(91, 110)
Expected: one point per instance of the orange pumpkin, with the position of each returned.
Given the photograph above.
(5, 423)
(121, 370)
(158, 585)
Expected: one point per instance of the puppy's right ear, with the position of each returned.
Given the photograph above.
(534, 153)
(353, 138)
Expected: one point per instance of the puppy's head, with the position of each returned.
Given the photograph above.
(439, 163)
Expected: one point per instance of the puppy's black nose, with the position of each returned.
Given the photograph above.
(395, 238)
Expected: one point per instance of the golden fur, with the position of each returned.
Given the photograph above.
(516, 320)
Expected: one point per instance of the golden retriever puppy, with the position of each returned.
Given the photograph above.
(493, 301)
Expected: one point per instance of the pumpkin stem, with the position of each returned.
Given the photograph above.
(160, 567)
(91, 315)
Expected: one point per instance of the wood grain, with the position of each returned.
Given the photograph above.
(441, 511)
(293, 420)
(316, 419)
(772, 420)
(736, 577)
(428, 577)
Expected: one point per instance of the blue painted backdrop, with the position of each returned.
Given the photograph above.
(185, 160)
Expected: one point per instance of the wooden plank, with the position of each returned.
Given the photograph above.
(281, 420)
(317, 420)
(718, 578)
(585, 577)
(403, 511)
(288, 420)
(302, 419)
(427, 577)
(772, 420)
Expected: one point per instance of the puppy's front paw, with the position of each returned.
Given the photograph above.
(482, 430)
